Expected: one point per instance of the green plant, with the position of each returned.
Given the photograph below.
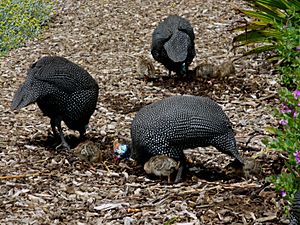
(263, 28)
(21, 20)
(288, 55)
(288, 141)
(275, 27)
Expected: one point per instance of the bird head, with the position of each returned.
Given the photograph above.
(121, 151)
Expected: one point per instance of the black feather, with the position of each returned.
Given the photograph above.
(169, 126)
(173, 44)
(295, 211)
(63, 91)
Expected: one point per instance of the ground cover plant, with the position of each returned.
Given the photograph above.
(275, 28)
(21, 20)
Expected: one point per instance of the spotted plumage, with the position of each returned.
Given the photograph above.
(173, 44)
(295, 211)
(63, 91)
(169, 126)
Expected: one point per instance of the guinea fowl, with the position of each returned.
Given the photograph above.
(169, 126)
(295, 211)
(173, 44)
(63, 91)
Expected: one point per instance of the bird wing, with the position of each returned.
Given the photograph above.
(197, 128)
(85, 103)
(209, 127)
(177, 46)
(24, 96)
(186, 27)
(38, 84)
(67, 78)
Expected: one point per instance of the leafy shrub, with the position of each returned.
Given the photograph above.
(288, 141)
(275, 27)
(263, 29)
(289, 56)
(21, 20)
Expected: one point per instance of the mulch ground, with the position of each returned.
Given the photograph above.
(41, 185)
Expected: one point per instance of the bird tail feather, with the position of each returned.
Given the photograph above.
(177, 46)
(23, 97)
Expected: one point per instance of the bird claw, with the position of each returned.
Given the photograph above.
(63, 145)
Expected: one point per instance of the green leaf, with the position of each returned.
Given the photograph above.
(260, 49)
(255, 36)
(262, 17)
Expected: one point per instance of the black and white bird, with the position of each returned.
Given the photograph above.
(173, 124)
(295, 211)
(173, 44)
(63, 91)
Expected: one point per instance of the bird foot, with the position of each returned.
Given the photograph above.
(63, 145)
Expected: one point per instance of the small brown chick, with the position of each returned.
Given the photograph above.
(209, 71)
(225, 69)
(145, 68)
(205, 71)
(162, 166)
(88, 151)
(251, 168)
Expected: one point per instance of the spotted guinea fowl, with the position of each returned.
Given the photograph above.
(295, 211)
(173, 44)
(63, 91)
(169, 126)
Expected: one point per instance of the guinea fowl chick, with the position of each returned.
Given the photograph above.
(205, 71)
(162, 166)
(295, 210)
(225, 69)
(169, 126)
(89, 152)
(251, 168)
(145, 68)
(210, 71)
(63, 91)
(173, 44)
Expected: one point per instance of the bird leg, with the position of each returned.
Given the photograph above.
(169, 179)
(82, 134)
(179, 174)
(63, 140)
(53, 127)
(55, 123)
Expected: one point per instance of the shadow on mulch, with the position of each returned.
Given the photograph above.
(214, 87)
(49, 142)
(201, 87)
(195, 171)
(198, 170)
